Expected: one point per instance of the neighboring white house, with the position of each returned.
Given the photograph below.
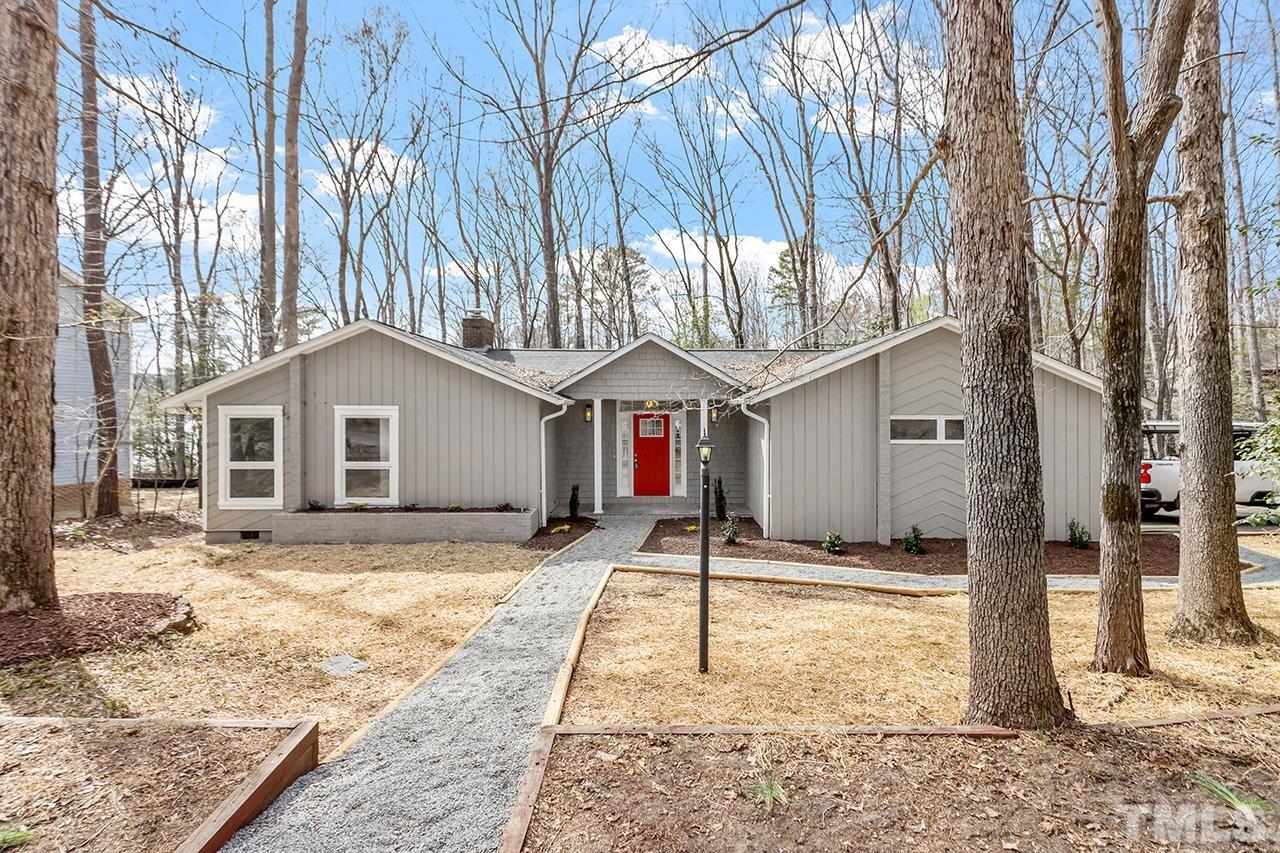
(868, 439)
(75, 461)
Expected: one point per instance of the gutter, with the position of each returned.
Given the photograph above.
(768, 498)
(542, 453)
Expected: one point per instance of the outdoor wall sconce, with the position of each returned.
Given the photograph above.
(713, 416)
(588, 413)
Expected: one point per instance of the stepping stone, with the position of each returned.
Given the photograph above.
(340, 665)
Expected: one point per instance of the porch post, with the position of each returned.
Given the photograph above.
(597, 428)
(702, 422)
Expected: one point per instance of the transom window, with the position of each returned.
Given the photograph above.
(251, 469)
(652, 428)
(927, 430)
(367, 440)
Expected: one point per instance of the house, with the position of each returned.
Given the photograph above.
(868, 439)
(75, 458)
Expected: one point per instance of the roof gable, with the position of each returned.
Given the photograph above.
(657, 340)
(193, 397)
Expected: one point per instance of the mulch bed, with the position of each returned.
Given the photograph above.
(92, 622)
(941, 556)
(1069, 790)
(545, 540)
(89, 786)
(127, 533)
(412, 508)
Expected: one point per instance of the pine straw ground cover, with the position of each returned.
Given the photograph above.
(90, 787)
(800, 655)
(267, 615)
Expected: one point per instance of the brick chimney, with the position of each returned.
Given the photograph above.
(477, 330)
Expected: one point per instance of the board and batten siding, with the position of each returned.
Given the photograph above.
(464, 437)
(265, 389)
(823, 456)
(1070, 418)
(927, 480)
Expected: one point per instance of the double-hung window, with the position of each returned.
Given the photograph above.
(926, 430)
(367, 440)
(251, 473)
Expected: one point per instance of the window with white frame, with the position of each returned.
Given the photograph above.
(652, 427)
(367, 440)
(251, 457)
(926, 429)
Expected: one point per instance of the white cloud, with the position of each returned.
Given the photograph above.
(646, 59)
(669, 247)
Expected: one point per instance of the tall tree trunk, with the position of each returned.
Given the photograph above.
(1011, 676)
(1136, 140)
(267, 204)
(1248, 302)
(94, 273)
(1210, 599)
(28, 300)
(550, 257)
(292, 221)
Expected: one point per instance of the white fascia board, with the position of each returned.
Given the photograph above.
(650, 337)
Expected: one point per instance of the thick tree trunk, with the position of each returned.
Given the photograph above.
(1011, 676)
(94, 273)
(267, 204)
(28, 300)
(292, 220)
(1136, 140)
(1210, 599)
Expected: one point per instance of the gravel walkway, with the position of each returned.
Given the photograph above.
(1267, 575)
(441, 771)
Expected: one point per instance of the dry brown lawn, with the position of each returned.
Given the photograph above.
(268, 615)
(799, 655)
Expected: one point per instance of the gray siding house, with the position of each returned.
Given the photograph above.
(868, 439)
(75, 459)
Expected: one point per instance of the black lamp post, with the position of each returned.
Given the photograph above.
(704, 547)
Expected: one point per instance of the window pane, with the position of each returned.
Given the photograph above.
(368, 483)
(651, 427)
(251, 483)
(954, 429)
(251, 439)
(368, 439)
(913, 429)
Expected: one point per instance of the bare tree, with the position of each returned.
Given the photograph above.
(1137, 137)
(107, 489)
(28, 300)
(1011, 676)
(1210, 599)
(292, 215)
(267, 189)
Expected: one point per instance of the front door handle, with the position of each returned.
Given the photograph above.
(635, 461)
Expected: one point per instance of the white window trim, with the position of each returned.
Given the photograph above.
(225, 465)
(340, 464)
(941, 429)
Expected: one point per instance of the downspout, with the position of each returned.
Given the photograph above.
(542, 452)
(768, 498)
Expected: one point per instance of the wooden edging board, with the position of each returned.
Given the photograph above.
(404, 694)
(1207, 716)
(833, 582)
(294, 756)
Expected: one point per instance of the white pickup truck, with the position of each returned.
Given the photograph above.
(1161, 479)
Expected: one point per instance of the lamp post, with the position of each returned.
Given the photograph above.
(704, 547)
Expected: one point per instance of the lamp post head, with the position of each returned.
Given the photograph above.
(705, 447)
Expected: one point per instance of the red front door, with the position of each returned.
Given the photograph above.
(652, 436)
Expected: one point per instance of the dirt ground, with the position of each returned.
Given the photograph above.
(267, 616)
(941, 556)
(89, 787)
(1074, 789)
(92, 622)
(544, 539)
(783, 654)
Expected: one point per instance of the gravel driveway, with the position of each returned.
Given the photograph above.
(441, 771)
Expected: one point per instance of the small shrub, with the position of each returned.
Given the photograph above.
(455, 507)
(766, 791)
(722, 505)
(562, 528)
(833, 543)
(315, 506)
(573, 503)
(12, 839)
(729, 529)
(692, 528)
(356, 506)
(912, 543)
(505, 507)
(1077, 536)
